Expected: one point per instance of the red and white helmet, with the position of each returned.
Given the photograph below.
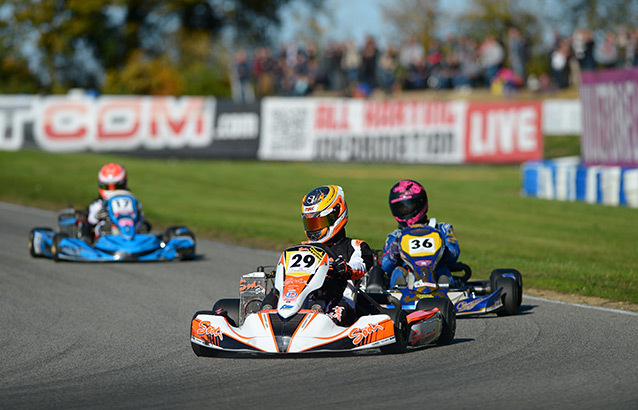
(112, 176)
(324, 213)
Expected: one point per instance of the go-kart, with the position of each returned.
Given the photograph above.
(118, 241)
(244, 325)
(421, 249)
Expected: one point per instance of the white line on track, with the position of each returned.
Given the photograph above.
(626, 312)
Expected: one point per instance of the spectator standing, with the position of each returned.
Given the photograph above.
(369, 62)
(560, 64)
(517, 52)
(411, 53)
(607, 53)
(583, 46)
(388, 62)
(242, 90)
(492, 55)
(351, 62)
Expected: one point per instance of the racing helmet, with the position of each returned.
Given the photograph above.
(408, 202)
(112, 176)
(324, 213)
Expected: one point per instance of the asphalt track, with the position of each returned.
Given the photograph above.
(116, 336)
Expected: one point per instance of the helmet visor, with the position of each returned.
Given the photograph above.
(311, 223)
(407, 207)
(111, 187)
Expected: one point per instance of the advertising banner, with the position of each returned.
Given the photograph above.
(361, 130)
(610, 117)
(146, 126)
(503, 132)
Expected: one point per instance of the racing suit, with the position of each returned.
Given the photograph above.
(97, 215)
(392, 264)
(336, 296)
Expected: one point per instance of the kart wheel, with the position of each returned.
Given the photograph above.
(448, 313)
(173, 231)
(203, 351)
(231, 306)
(55, 246)
(400, 332)
(509, 296)
(32, 250)
(500, 273)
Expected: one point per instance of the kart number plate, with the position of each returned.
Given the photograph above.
(421, 245)
(302, 262)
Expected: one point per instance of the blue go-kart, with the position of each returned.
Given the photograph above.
(421, 248)
(119, 241)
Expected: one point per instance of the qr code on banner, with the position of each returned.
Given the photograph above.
(288, 127)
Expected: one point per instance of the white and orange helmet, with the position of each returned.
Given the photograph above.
(324, 212)
(112, 176)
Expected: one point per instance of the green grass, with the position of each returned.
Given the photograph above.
(561, 246)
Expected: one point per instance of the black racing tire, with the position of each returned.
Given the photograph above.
(448, 313)
(184, 254)
(173, 231)
(202, 351)
(231, 306)
(400, 323)
(31, 247)
(499, 273)
(509, 296)
(55, 246)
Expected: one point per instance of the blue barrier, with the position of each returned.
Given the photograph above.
(567, 179)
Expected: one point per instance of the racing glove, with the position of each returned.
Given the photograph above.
(393, 252)
(340, 269)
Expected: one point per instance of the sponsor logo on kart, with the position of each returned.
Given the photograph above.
(287, 307)
(424, 263)
(244, 285)
(464, 306)
(358, 335)
(70, 250)
(421, 282)
(205, 329)
(291, 294)
(337, 312)
(417, 336)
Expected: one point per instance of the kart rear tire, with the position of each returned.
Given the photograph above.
(202, 351)
(400, 323)
(55, 245)
(231, 306)
(499, 273)
(448, 313)
(509, 296)
(32, 251)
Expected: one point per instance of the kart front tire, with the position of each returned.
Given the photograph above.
(448, 314)
(509, 296)
(400, 323)
(231, 306)
(32, 250)
(55, 246)
(500, 273)
(202, 351)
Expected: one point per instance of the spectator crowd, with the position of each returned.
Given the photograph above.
(455, 62)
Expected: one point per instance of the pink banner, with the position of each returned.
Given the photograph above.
(610, 117)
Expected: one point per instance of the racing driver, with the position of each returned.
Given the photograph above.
(111, 178)
(409, 206)
(324, 213)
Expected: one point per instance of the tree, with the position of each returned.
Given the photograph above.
(79, 43)
(416, 18)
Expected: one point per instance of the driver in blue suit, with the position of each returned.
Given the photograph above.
(409, 205)
(112, 177)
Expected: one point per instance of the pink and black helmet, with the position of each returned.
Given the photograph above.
(408, 202)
